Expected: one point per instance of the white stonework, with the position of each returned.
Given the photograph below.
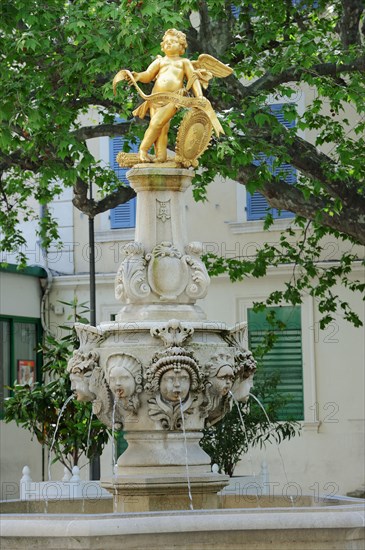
(177, 371)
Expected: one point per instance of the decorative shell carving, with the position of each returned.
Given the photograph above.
(174, 333)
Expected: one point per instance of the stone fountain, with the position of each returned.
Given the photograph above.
(162, 371)
(161, 366)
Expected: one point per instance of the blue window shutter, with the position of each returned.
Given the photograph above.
(123, 215)
(301, 4)
(284, 358)
(235, 11)
(257, 205)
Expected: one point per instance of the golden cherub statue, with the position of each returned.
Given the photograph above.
(168, 94)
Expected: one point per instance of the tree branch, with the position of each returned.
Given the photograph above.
(120, 196)
(100, 130)
(314, 164)
(304, 156)
(284, 196)
(19, 159)
(214, 37)
(90, 207)
(349, 26)
(269, 81)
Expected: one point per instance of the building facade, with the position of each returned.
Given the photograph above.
(322, 369)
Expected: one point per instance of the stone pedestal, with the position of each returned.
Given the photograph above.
(163, 453)
(165, 492)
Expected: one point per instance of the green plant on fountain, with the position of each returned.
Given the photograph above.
(227, 441)
(37, 408)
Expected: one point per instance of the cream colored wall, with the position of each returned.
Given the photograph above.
(17, 450)
(19, 295)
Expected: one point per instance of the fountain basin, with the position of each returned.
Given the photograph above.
(333, 523)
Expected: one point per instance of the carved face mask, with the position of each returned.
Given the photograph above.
(121, 381)
(223, 381)
(80, 386)
(175, 385)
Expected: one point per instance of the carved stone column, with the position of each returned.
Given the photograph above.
(161, 274)
(161, 205)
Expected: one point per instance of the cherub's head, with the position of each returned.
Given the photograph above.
(177, 36)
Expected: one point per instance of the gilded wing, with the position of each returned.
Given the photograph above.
(207, 66)
(213, 65)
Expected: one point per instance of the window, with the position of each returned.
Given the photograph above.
(302, 4)
(285, 357)
(257, 205)
(5, 371)
(235, 11)
(124, 215)
(20, 362)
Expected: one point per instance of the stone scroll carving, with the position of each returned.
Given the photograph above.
(199, 278)
(131, 280)
(167, 376)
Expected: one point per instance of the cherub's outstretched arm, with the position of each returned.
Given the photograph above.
(149, 74)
